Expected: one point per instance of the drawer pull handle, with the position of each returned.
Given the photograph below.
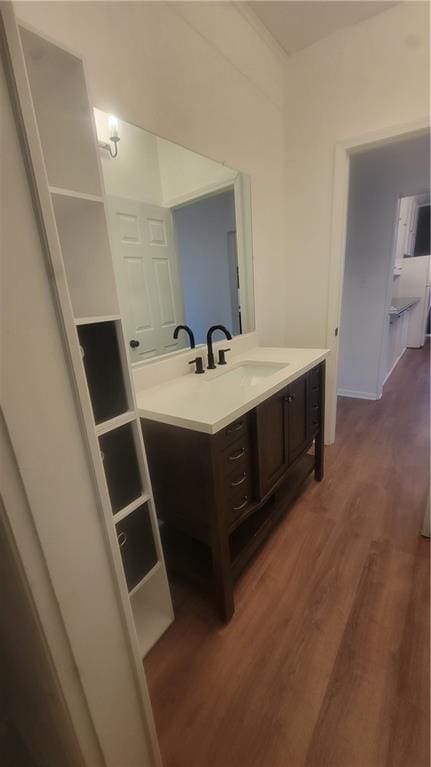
(236, 456)
(237, 482)
(315, 423)
(314, 388)
(315, 407)
(241, 505)
(122, 538)
(233, 429)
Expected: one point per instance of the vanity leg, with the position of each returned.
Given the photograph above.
(222, 574)
(319, 450)
(319, 444)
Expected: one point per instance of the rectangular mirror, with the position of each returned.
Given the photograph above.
(180, 226)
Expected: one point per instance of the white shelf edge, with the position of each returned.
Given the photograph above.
(94, 320)
(119, 515)
(114, 423)
(77, 195)
(145, 579)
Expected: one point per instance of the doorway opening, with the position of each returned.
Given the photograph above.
(384, 305)
(363, 254)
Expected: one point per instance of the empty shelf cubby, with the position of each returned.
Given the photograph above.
(120, 462)
(137, 546)
(63, 114)
(81, 226)
(103, 369)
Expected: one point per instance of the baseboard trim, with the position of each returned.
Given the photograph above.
(358, 394)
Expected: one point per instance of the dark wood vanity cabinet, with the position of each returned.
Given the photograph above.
(285, 424)
(226, 491)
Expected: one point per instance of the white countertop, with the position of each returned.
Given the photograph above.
(206, 403)
(400, 305)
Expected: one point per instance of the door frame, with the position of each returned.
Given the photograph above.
(340, 190)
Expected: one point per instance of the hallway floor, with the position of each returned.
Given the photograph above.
(326, 660)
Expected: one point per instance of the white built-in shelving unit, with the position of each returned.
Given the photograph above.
(62, 149)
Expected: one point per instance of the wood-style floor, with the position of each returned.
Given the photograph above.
(326, 660)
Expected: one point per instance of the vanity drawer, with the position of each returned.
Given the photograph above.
(234, 431)
(314, 416)
(314, 399)
(235, 459)
(238, 497)
(315, 381)
(237, 481)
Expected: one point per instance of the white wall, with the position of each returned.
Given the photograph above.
(202, 241)
(378, 178)
(150, 169)
(135, 172)
(184, 173)
(365, 78)
(199, 75)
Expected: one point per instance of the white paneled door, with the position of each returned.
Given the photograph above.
(146, 267)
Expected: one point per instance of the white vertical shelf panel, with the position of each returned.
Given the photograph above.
(56, 118)
(76, 185)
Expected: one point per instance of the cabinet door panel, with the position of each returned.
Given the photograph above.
(271, 441)
(297, 419)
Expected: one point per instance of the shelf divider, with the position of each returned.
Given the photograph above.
(77, 195)
(95, 319)
(114, 423)
(143, 498)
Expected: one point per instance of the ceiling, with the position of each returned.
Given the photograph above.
(298, 23)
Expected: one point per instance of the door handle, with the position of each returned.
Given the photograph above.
(235, 428)
(236, 456)
(134, 343)
(241, 505)
(237, 482)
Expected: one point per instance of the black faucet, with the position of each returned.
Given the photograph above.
(211, 363)
(189, 332)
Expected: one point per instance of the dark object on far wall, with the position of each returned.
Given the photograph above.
(422, 242)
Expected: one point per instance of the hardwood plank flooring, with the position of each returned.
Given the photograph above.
(326, 661)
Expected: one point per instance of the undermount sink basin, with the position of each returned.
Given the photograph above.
(247, 374)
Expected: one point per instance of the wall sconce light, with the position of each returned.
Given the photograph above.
(113, 137)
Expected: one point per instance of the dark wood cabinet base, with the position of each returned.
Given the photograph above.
(220, 496)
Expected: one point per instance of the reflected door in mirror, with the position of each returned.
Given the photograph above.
(147, 274)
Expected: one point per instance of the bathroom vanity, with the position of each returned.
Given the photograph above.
(227, 454)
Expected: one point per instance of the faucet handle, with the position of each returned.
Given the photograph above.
(199, 364)
(222, 356)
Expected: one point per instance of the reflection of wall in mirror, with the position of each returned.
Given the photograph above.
(202, 231)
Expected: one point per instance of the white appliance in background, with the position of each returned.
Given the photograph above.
(414, 281)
